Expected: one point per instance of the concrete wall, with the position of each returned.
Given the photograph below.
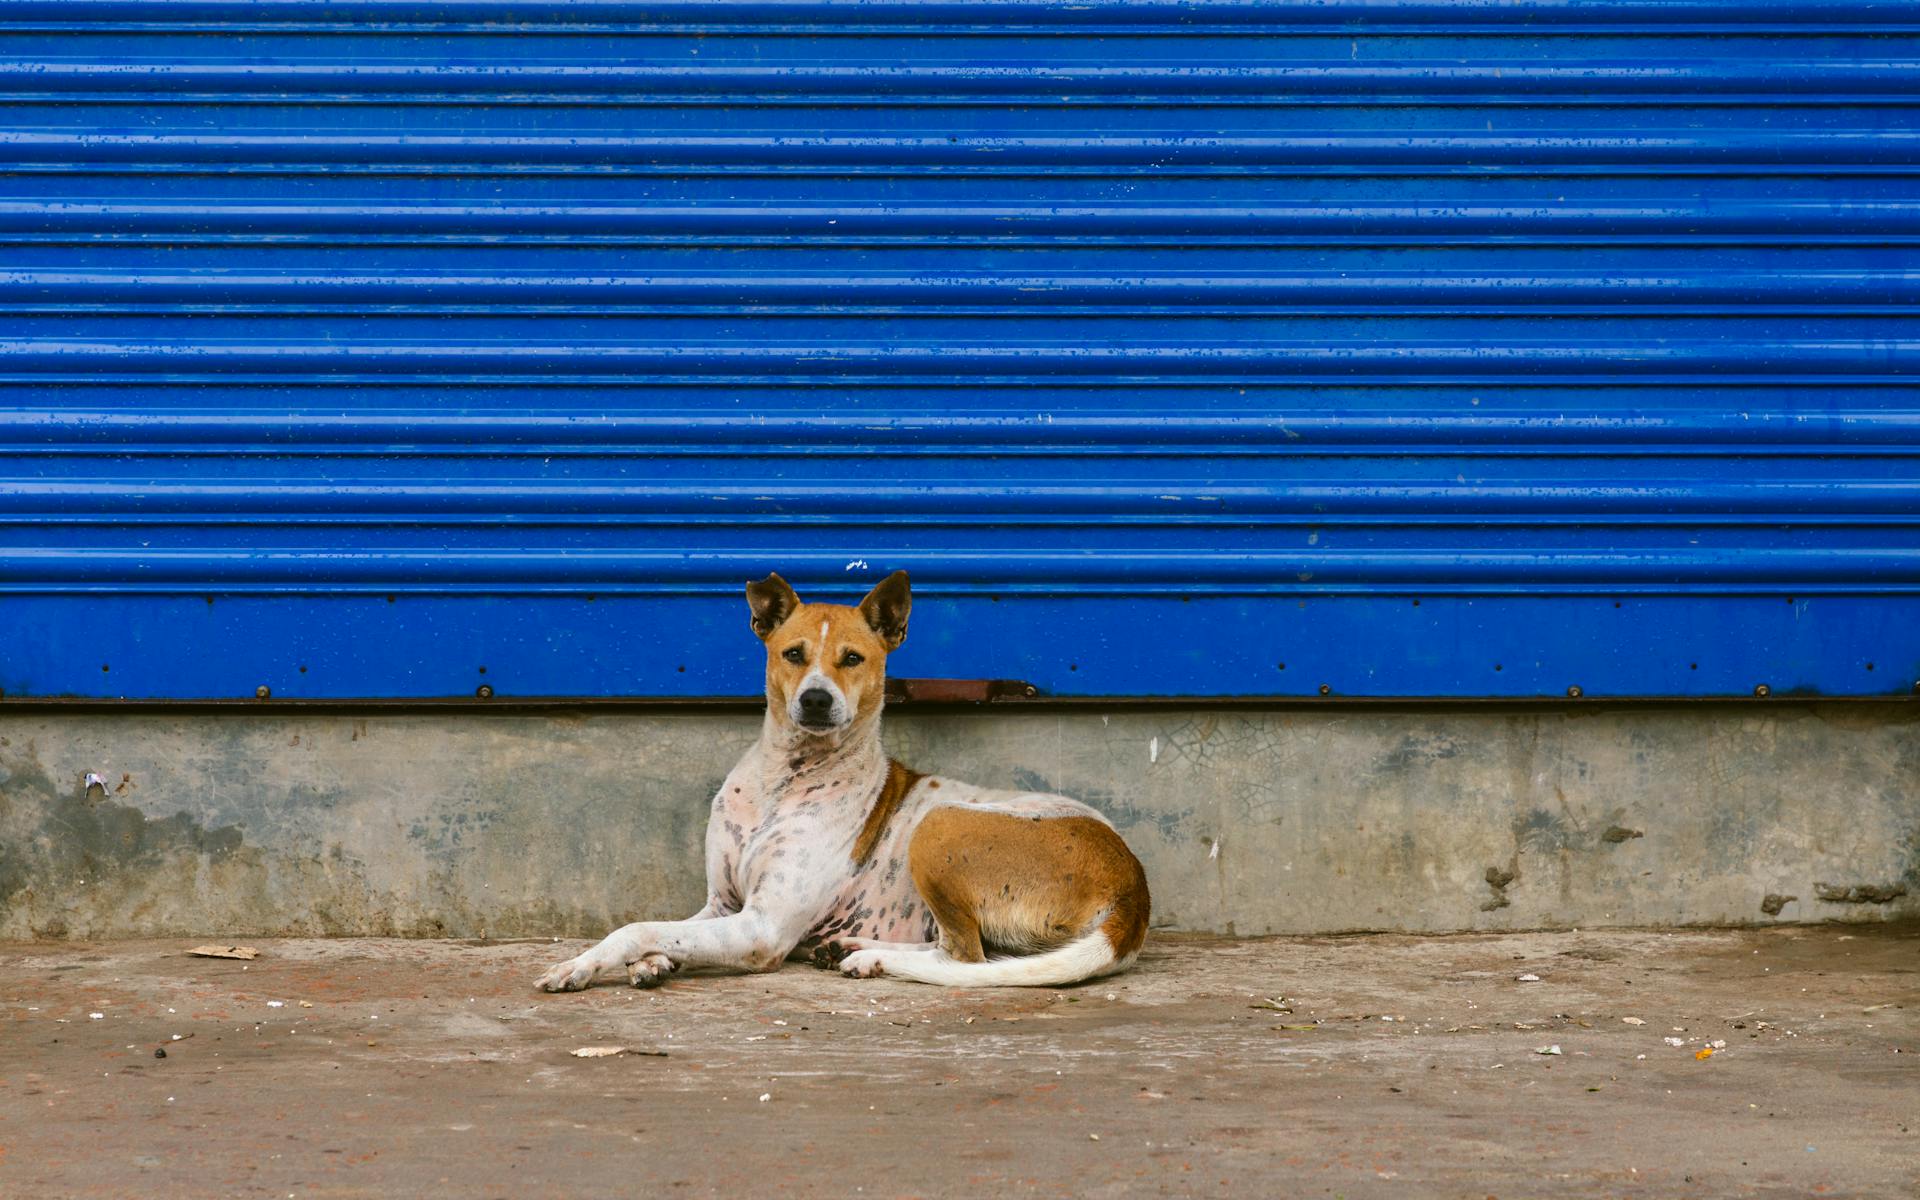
(1249, 821)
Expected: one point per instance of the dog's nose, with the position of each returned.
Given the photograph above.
(816, 704)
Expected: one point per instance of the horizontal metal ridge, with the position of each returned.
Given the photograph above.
(1383, 173)
(229, 417)
(438, 598)
(991, 527)
(1148, 14)
(1485, 34)
(1836, 355)
(477, 289)
(1229, 243)
(1771, 150)
(565, 225)
(1682, 82)
(642, 106)
(892, 501)
(1454, 307)
(1760, 452)
(339, 567)
(636, 383)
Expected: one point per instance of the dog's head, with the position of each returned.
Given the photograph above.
(827, 663)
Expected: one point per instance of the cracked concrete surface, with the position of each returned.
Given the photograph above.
(1388, 1066)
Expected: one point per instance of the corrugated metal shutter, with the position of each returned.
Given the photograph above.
(1359, 348)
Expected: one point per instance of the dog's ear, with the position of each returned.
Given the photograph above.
(886, 608)
(772, 602)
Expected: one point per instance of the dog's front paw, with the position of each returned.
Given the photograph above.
(569, 976)
(650, 970)
(863, 964)
(832, 952)
(828, 955)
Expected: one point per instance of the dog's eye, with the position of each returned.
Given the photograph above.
(852, 658)
(795, 655)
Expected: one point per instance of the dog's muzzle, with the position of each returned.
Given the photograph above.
(815, 708)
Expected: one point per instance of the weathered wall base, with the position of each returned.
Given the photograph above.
(1292, 821)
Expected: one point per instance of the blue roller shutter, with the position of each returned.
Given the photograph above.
(1360, 349)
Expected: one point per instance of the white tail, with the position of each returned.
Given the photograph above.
(1082, 958)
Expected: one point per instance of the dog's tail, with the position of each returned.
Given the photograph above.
(1087, 957)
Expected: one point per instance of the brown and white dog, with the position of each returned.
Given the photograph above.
(820, 847)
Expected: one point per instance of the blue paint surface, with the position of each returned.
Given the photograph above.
(1430, 350)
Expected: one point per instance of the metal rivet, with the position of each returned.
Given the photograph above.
(262, 692)
(1574, 692)
(1762, 690)
(484, 691)
(1326, 689)
(1032, 690)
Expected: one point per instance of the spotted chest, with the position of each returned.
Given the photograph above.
(792, 831)
(821, 835)
(879, 900)
(778, 853)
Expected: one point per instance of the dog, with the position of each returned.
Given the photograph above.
(820, 848)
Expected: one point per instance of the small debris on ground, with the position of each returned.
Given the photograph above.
(1632, 1021)
(1528, 979)
(1555, 1049)
(246, 952)
(613, 1051)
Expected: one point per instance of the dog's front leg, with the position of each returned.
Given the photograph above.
(649, 950)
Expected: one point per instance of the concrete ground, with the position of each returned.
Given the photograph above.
(1358, 1067)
